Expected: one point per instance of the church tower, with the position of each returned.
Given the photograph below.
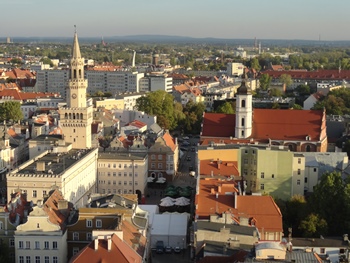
(76, 118)
(244, 110)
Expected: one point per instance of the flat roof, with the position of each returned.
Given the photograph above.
(55, 163)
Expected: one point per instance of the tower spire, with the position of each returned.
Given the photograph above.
(76, 49)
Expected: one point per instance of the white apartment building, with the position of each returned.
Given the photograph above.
(129, 99)
(52, 80)
(113, 81)
(161, 82)
(122, 173)
(235, 69)
(73, 172)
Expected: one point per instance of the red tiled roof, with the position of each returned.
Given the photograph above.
(137, 124)
(22, 96)
(287, 124)
(218, 125)
(268, 124)
(318, 95)
(225, 168)
(212, 198)
(51, 208)
(277, 67)
(169, 141)
(133, 238)
(120, 252)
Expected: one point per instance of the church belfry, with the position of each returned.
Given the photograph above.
(76, 118)
(244, 110)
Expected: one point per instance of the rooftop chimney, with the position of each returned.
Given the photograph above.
(218, 161)
(96, 244)
(109, 244)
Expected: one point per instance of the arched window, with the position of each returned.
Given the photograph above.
(73, 116)
(70, 115)
(290, 146)
(242, 122)
(308, 148)
(243, 104)
(78, 116)
(242, 133)
(81, 116)
(79, 73)
(66, 115)
(74, 74)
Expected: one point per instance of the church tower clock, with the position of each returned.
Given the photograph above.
(76, 118)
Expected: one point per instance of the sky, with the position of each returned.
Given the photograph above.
(230, 19)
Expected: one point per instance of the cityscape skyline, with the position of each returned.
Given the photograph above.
(306, 20)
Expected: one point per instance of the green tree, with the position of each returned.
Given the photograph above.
(313, 226)
(286, 79)
(226, 107)
(47, 61)
(329, 200)
(10, 110)
(4, 253)
(297, 107)
(303, 89)
(160, 104)
(265, 81)
(254, 64)
(274, 92)
(295, 211)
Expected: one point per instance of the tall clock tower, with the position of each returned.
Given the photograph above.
(76, 118)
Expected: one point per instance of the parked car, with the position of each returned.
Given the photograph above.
(185, 144)
(177, 249)
(168, 249)
(160, 247)
(185, 138)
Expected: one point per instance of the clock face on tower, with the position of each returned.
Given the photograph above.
(74, 96)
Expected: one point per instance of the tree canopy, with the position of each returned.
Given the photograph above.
(286, 79)
(226, 107)
(265, 81)
(160, 104)
(10, 110)
(337, 102)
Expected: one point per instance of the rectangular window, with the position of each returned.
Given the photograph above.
(130, 174)
(120, 165)
(262, 187)
(99, 223)
(119, 183)
(245, 161)
(114, 174)
(54, 244)
(114, 183)
(88, 223)
(136, 183)
(153, 165)
(298, 182)
(46, 245)
(34, 193)
(37, 245)
(44, 193)
(299, 171)
(20, 244)
(160, 166)
(27, 259)
(76, 236)
(54, 259)
(125, 174)
(160, 157)
(322, 250)
(21, 259)
(305, 179)
(27, 244)
(262, 175)
(125, 182)
(153, 157)
(315, 170)
(119, 174)
(12, 242)
(37, 259)
(109, 182)
(130, 182)
(47, 259)
(273, 176)
(299, 160)
(88, 236)
(109, 174)
(75, 250)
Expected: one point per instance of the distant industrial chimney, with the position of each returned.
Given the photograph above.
(133, 59)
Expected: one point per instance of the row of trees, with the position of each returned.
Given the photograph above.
(337, 102)
(325, 212)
